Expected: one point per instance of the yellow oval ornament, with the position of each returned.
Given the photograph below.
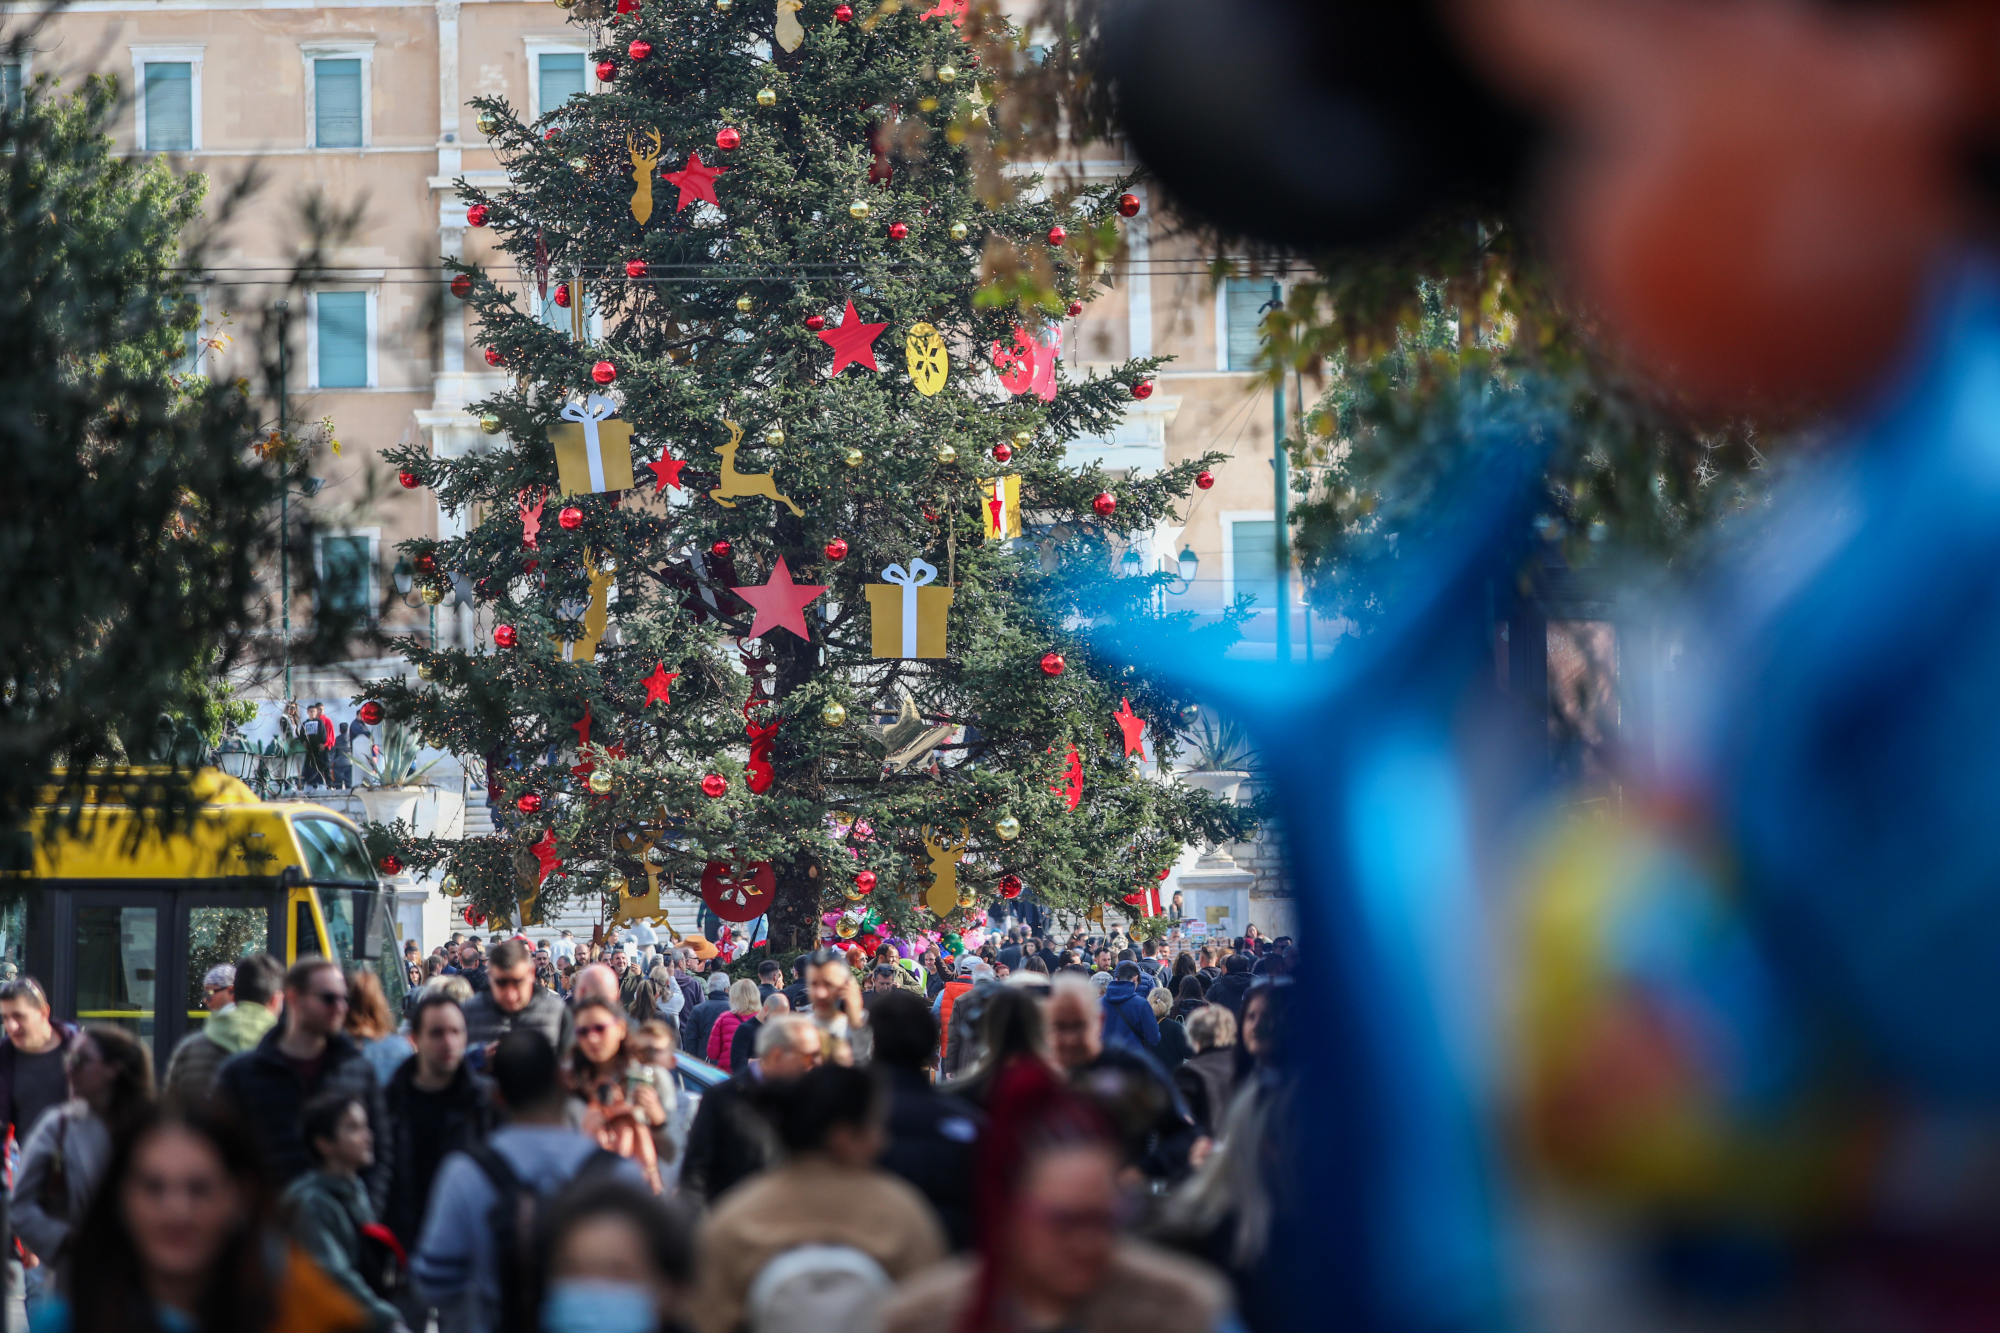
(929, 365)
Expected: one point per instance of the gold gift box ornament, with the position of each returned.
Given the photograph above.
(593, 453)
(905, 614)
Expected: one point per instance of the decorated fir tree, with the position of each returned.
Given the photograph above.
(794, 600)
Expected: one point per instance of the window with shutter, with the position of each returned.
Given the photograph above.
(169, 107)
(10, 84)
(1242, 315)
(343, 575)
(1254, 560)
(561, 79)
(343, 340)
(337, 103)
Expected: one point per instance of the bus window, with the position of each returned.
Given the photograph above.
(333, 851)
(219, 935)
(306, 939)
(337, 906)
(117, 961)
(13, 935)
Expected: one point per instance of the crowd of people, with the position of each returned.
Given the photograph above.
(892, 1143)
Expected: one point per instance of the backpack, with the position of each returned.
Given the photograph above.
(515, 1222)
(383, 1264)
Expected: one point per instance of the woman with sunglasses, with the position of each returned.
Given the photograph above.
(111, 1087)
(622, 1109)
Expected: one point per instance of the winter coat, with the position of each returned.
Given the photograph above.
(69, 1034)
(1207, 1082)
(191, 1072)
(720, 1036)
(268, 1095)
(1128, 1019)
(705, 1016)
(1229, 990)
(386, 1054)
(1146, 1288)
(486, 1022)
(1175, 1047)
(83, 1141)
(947, 999)
(728, 1141)
(327, 1214)
(470, 1116)
(933, 1138)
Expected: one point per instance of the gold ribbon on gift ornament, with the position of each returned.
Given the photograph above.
(593, 453)
(906, 614)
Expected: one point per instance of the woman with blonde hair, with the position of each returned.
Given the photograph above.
(744, 1003)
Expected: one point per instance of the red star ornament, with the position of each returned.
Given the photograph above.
(545, 856)
(696, 182)
(852, 341)
(582, 728)
(667, 472)
(1133, 726)
(780, 603)
(947, 9)
(656, 685)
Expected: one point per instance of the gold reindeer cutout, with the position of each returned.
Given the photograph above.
(642, 175)
(742, 485)
(942, 895)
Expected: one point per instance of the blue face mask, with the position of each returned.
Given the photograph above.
(599, 1307)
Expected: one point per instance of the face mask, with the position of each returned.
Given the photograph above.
(599, 1307)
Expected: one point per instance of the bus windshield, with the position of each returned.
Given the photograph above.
(333, 851)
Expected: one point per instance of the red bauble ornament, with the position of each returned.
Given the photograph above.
(408, 479)
(1128, 205)
(639, 50)
(391, 864)
(865, 881)
(635, 268)
(606, 71)
(837, 549)
(370, 712)
(505, 636)
(571, 517)
(427, 563)
(843, 13)
(1075, 309)
(1164, 873)
(461, 286)
(475, 216)
(728, 139)
(562, 295)
(529, 803)
(931, 516)
(738, 893)
(1052, 664)
(1104, 504)
(721, 549)
(898, 230)
(1204, 479)
(815, 322)
(1134, 899)
(1010, 886)
(1057, 235)
(714, 785)
(604, 372)
(1002, 452)
(493, 357)
(1143, 390)
(550, 134)
(628, 6)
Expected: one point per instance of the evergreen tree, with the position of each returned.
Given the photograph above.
(797, 193)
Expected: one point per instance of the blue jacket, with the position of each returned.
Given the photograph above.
(1128, 1019)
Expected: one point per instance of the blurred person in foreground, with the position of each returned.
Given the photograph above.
(436, 1105)
(1012, 1025)
(1051, 1251)
(730, 1140)
(329, 1211)
(183, 1238)
(1127, 1083)
(827, 1190)
(933, 1135)
(615, 1260)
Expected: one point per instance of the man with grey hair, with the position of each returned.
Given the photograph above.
(729, 1139)
(218, 987)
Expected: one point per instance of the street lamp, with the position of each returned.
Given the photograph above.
(1130, 565)
(404, 576)
(1190, 564)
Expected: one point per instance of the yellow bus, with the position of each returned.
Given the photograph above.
(119, 921)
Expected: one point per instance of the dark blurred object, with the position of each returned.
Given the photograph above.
(1309, 125)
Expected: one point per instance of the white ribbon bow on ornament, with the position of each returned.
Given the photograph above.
(916, 576)
(587, 414)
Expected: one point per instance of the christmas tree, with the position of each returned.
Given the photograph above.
(849, 644)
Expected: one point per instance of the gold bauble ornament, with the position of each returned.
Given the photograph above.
(1008, 827)
(834, 714)
(432, 594)
(966, 897)
(847, 928)
(490, 423)
(565, 4)
(451, 886)
(579, 164)
(656, 856)
(958, 231)
(858, 210)
(723, 6)
(425, 671)
(774, 436)
(854, 458)
(600, 782)
(947, 455)
(852, 892)
(1023, 438)
(767, 97)
(948, 74)
(487, 122)
(743, 305)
